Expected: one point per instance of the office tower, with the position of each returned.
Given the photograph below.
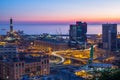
(77, 34)
(109, 36)
(81, 31)
(72, 33)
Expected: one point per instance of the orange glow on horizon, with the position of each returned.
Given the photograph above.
(68, 19)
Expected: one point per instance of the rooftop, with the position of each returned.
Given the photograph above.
(26, 59)
(60, 41)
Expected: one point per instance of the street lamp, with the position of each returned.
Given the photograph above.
(7, 77)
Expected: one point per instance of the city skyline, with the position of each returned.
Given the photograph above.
(60, 11)
(59, 39)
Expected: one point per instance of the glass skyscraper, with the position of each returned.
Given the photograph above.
(77, 34)
(109, 36)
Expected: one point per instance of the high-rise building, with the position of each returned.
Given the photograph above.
(77, 34)
(109, 36)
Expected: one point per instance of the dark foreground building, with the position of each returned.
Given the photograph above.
(19, 66)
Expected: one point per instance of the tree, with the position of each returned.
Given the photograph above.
(110, 75)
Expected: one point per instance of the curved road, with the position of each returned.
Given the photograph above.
(62, 59)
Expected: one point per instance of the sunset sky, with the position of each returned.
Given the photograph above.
(60, 10)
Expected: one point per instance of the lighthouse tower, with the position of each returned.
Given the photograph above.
(11, 25)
